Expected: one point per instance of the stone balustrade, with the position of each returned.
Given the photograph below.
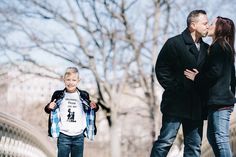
(19, 139)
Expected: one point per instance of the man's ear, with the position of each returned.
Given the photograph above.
(193, 25)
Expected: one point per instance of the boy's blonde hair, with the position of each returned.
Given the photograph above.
(71, 70)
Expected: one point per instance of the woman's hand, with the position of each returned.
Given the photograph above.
(191, 74)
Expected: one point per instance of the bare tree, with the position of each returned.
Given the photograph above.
(104, 37)
(116, 41)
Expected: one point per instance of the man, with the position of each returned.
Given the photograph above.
(181, 102)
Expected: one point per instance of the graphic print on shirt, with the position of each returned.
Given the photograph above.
(71, 114)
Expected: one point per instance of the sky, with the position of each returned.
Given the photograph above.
(50, 29)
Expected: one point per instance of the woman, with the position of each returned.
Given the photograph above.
(217, 77)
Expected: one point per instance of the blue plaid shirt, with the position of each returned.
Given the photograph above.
(89, 131)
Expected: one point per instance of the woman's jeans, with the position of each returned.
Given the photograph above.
(192, 131)
(218, 132)
(70, 144)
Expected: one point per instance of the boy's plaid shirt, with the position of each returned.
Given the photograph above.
(89, 131)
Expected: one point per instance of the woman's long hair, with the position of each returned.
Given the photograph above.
(225, 34)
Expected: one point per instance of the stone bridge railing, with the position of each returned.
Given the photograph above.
(19, 139)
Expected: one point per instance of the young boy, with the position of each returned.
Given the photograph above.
(71, 116)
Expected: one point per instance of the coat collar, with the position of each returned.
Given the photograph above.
(187, 37)
(85, 101)
(78, 90)
(199, 56)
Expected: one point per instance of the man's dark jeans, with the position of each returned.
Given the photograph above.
(192, 131)
(70, 144)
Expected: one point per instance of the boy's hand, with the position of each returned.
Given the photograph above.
(52, 104)
(93, 105)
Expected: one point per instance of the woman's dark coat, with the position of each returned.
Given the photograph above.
(218, 76)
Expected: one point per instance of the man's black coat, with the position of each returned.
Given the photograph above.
(181, 98)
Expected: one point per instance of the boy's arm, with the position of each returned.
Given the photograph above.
(85, 96)
(46, 108)
(94, 106)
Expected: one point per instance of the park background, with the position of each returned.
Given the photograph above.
(114, 43)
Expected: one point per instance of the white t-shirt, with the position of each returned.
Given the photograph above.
(73, 117)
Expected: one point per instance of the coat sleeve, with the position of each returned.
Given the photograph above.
(164, 66)
(233, 79)
(46, 109)
(214, 67)
(85, 96)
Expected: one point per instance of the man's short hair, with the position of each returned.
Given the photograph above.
(193, 14)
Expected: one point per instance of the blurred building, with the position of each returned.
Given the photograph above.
(3, 85)
(23, 85)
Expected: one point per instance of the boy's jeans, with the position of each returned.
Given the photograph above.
(70, 144)
(218, 132)
(192, 131)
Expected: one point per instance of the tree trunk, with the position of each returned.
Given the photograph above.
(115, 136)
